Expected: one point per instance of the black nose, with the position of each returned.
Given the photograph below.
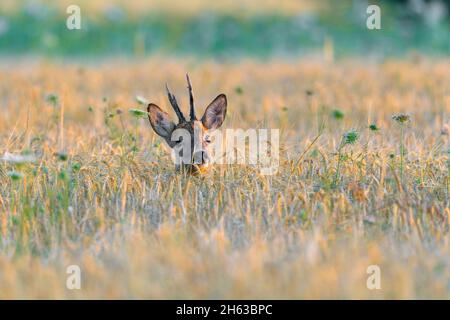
(200, 157)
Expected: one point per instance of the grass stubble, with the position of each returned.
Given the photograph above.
(88, 183)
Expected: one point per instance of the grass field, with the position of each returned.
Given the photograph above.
(220, 29)
(102, 193)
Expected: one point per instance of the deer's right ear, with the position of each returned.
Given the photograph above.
(160, 121)
(215, 113)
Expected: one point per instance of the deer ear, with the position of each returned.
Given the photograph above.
(160, 121)
(215, 113)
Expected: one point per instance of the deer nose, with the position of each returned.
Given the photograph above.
(201, 157)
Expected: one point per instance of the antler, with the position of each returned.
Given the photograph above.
(191, 100)
(173, 102)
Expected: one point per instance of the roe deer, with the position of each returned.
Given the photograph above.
(189, 138)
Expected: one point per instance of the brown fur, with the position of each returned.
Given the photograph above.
(212, 119)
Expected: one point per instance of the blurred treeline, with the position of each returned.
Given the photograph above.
(224, 29)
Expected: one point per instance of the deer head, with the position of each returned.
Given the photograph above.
(189, 138)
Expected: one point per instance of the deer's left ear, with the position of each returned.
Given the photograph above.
(215, 113)
(160, 121)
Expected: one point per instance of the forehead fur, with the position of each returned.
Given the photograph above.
(189, 125)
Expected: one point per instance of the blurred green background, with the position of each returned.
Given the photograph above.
(223, 29)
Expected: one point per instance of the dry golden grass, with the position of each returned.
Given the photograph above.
(139, 230)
